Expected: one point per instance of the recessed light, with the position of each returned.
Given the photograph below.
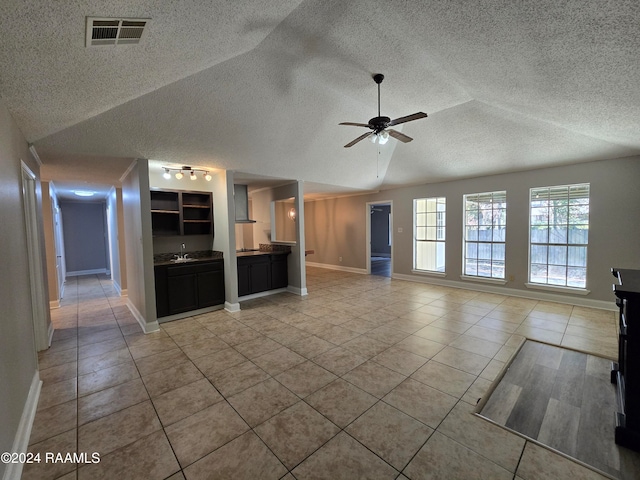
(84, 193)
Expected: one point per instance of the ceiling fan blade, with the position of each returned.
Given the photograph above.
(399, 136)
(361, 137)
(408, 118)
(354, 124)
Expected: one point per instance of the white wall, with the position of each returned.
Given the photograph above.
(18, 361)
(136, 202)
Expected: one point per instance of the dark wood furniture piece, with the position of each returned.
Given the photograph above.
(262, 272)
(185, 287)
(174, 212)
(626, 372)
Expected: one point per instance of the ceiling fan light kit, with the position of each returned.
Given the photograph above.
(380, 125)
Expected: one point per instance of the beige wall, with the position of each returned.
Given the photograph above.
(337, 227)
(17, 348)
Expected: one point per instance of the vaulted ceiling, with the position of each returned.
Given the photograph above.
(260, 87)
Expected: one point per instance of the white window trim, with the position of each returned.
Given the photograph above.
(494, 281)
(429, 273)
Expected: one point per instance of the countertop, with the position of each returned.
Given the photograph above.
(195, 257)
(260, 252)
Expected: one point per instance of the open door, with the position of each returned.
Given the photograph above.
(380, 238)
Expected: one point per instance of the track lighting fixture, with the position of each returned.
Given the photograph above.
(180, 172)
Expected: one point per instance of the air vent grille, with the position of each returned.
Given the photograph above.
(115, 31)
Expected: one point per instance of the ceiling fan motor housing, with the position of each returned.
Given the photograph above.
(378, 124)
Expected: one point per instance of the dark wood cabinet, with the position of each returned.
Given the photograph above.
(174, 212)
(183, 288)
(626, 372)
(259, 273)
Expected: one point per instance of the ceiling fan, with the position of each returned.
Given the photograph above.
(380, 125)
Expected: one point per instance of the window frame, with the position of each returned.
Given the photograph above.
(567, 231)
(439, 229)
(496, 264)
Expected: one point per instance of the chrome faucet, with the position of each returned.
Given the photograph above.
(182, 247)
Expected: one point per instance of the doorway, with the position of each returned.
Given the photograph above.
(380, 238)
(36, 277)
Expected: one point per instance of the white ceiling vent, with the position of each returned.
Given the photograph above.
(115, 31)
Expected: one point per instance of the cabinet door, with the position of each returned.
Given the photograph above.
(244, 279)
(183, 293)
(279, 271)
(162, 304)
(210, 288)
(261, 275)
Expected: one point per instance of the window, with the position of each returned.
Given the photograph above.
(558, 235)
(485, 217)
(429, 234)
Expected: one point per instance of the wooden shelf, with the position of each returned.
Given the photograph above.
(176, 212)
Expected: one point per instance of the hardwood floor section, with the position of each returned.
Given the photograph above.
(563, 399)
(381, 266)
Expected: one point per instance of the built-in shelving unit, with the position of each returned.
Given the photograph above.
(174, 212)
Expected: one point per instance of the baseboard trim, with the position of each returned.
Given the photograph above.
(191, 313)
(53, 304)
(21, 440)
(329, 266)
(51, 332)
(266, 293)
(534, 295)
(146, 327)
(232, 307)
(297, 291)
(87, 272)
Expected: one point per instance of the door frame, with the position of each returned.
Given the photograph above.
(42, 335)
(369, 205)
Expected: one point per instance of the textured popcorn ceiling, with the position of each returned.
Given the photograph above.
(260, 87)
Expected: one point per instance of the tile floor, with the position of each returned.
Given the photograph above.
(366, 377)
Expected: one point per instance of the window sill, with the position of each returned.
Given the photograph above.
(493, 281)
(558, 288)
(429, 273)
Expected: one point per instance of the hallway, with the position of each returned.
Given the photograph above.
(365, 376)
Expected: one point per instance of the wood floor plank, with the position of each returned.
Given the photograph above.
(501, 402)
(559, 427)
(569, 384)
(550, 357)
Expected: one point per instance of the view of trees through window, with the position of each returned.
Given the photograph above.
(559, 234)
(485, 216)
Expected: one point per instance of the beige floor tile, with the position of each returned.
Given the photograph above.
(56, 393)
(365, 347)
(540, 334)
(492, 442)
(152, 347)
(389, 433)
(160, 361)
(336, 334)
(295, 433)
(399, 360)
(476, 345)
(492, 370)
(110, 400)
(238, 378)
(489, 334)
(476, 391)
(107, 377)
(219, 361)
(191, 336)
(437, 335)
(420, 346)
(462, 360)
(245, 458)
(451, 325)
(48, 359)
(305, 378)
(149, 457)
(343, 458)
(443, 458)
(546, 324)
(201, 433)
(204, 346)
(499, 325)
(93, 349)
(373, 378)
(387, 335)
(444, 378)
(341, 402)
(338, 360)
(311, 346)
(63, 443)
(262, 401)
(105, 360)
(114, 431)
(421, 402)
(54, 420)
(178, 327)
(171, 378)
(278, 361)
(240, 335)
(605, 348)
(257, 347)
(97, 334)
(184, 401)
(538, 463)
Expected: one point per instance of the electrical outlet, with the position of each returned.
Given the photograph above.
(339, 259)
(400, 230)
(512, 278)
